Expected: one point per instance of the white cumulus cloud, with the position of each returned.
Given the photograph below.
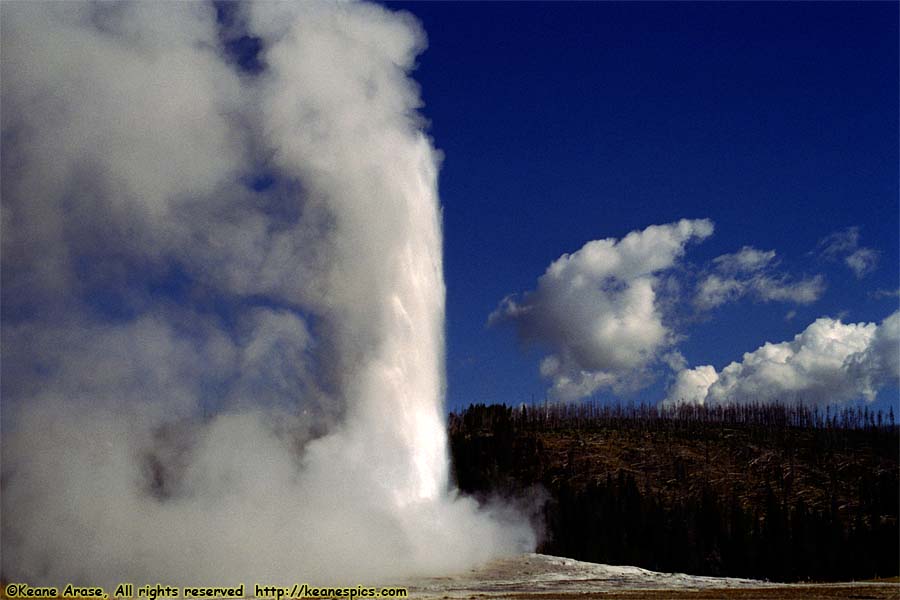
(829, 362)
(597, 308)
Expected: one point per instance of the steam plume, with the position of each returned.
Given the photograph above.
(223, 302)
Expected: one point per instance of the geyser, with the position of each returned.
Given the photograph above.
(223, 302)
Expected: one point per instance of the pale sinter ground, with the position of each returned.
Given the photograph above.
(542, 576)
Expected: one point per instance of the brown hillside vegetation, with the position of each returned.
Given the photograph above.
(771, 492)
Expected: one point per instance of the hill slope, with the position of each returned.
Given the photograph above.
(778, 493)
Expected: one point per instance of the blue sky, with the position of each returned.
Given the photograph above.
(564, 127)
(565, 123)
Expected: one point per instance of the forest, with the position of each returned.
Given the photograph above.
(766, 491)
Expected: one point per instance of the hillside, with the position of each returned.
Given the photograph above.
(770, 492)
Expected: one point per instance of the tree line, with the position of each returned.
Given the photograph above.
(778, 492)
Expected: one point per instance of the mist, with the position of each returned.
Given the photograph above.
(223, 302)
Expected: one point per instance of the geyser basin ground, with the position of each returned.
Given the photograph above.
(541, 576)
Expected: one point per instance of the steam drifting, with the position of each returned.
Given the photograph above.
(223, 302)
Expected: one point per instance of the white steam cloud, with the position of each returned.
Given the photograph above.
(830, 362)
(598, 309)
(210, 375)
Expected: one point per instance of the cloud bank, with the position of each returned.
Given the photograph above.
(598, 309)
(223, 301)
(830, 362)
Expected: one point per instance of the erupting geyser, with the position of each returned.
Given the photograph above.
(187, 236)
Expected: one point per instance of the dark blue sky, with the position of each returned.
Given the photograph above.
(564, 123)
